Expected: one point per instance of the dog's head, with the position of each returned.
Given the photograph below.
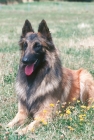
(34, 46)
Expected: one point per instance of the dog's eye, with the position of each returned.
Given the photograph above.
(25, 45)
(37, 47)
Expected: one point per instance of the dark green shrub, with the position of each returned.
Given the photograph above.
(9, 1)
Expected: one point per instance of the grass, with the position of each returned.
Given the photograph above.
(72, 28)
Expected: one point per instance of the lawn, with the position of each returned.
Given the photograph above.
(72, 28)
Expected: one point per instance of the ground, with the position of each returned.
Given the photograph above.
(72, 28)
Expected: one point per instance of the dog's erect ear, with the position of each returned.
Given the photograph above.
(27, 28)
(44, 30)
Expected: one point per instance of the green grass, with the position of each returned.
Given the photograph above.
(72, 28)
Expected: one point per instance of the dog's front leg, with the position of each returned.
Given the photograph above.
(20, 116)
(40, 118)
(28, 128)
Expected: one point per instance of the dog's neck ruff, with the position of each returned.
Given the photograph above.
(29, 69)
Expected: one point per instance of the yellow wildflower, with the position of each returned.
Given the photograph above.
(88, 107)
(82, 115)
(78, 101)
(71, 128)
(83, 106)
(93, 106)
(44, 111)
(68, 111)
(74, 99)
(81, 119)
(41, 120)
(44, 122)
(52, 105)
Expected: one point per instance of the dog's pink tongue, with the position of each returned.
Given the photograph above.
(29, 69)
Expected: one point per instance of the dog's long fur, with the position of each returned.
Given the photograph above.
(49, 82)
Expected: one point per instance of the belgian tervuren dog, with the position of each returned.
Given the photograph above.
(41, 80)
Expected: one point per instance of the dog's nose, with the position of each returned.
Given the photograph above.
(25, 60)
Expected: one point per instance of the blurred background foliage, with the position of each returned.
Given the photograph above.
(21, 1)
(10, 1)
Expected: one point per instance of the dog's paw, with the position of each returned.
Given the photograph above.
(22, 131)
(19, 132)
(10, 125)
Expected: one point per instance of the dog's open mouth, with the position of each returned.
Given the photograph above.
(29, 69)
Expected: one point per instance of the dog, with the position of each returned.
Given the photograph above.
(41, 81)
